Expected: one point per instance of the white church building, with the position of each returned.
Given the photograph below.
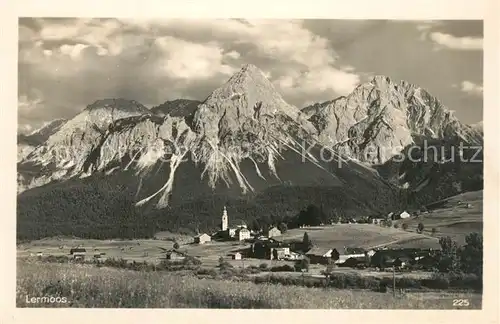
(239, 232)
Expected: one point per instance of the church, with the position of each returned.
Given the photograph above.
(240, 232)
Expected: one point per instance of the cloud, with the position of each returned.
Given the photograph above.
(457, 43)
(187, 60)
(73, 51)
(471, 88)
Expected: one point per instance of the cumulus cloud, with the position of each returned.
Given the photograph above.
(187, 60)
(76, 61)
(471, 88)
(457, 43)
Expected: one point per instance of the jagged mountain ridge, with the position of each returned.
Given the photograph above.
(381, 117)
(239, 142)
(245, 119)
(26, 143)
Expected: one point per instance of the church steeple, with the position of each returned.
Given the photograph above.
(224, 219)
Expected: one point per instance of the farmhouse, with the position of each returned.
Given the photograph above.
(236, 256)
(279, 253)
(351, 256)
(273, 231)
(377, 221)
(404, 215)
(242, 234)
(320, 255)
(263, 249)
(202, 238)
(78, 253)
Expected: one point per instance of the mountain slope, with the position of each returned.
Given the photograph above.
(176, 108)
(27, 143)
(241, 146)
(381, 117)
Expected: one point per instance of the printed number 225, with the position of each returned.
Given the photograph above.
(460, 302)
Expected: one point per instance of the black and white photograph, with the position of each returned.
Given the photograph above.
(242, 163)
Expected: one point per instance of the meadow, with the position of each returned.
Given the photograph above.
(89, 286)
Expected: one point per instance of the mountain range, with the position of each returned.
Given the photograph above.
(121, 169)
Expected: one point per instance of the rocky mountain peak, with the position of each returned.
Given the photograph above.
(120, 104)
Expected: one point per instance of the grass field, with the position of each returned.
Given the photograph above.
(88, 286)
(451, 219)
(356, 235)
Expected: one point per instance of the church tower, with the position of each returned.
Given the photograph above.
(224, 219)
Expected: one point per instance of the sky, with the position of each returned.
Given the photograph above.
(66, 64)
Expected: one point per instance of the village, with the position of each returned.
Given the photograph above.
(395, 242)
(366, 244)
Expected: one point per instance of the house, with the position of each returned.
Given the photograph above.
(39, 254)
(273, 231)
(236, 256)
(404, 215)
(263, 249)
(377, 221)
(78, 253)
(175, 255)
(320, 255)
(280, 252)
(242, 234)
(202, 238)
(350, 256)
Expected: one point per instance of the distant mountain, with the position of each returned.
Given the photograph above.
(129, 171)
(382, 117)
(243, 146)
(176, 108)
(27, 143)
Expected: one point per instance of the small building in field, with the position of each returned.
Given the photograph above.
(404, 215)
(202, 238)
(236, 256)
(279, 253)
(175, 255)
(39, 254)
(377, 221)
(351, 256)
(273, 231)
(78, 253)
(319, 255)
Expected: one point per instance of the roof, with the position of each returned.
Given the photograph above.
(77, 250)
(319, 251)
(202, 234)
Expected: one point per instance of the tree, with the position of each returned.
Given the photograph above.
(471, 256)
(304, 264)
(405, 226)
(283, 227)
(420, 228)
(312, 216)
(275, 254)
(335, 255)
(396, 225)
(448, 259)
(306, 242)
(176, 245)
(388, 223)
(433, 230)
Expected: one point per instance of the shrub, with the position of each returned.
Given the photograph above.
(420, 227)
(263, 266)
(283, 268)
(404, 226)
